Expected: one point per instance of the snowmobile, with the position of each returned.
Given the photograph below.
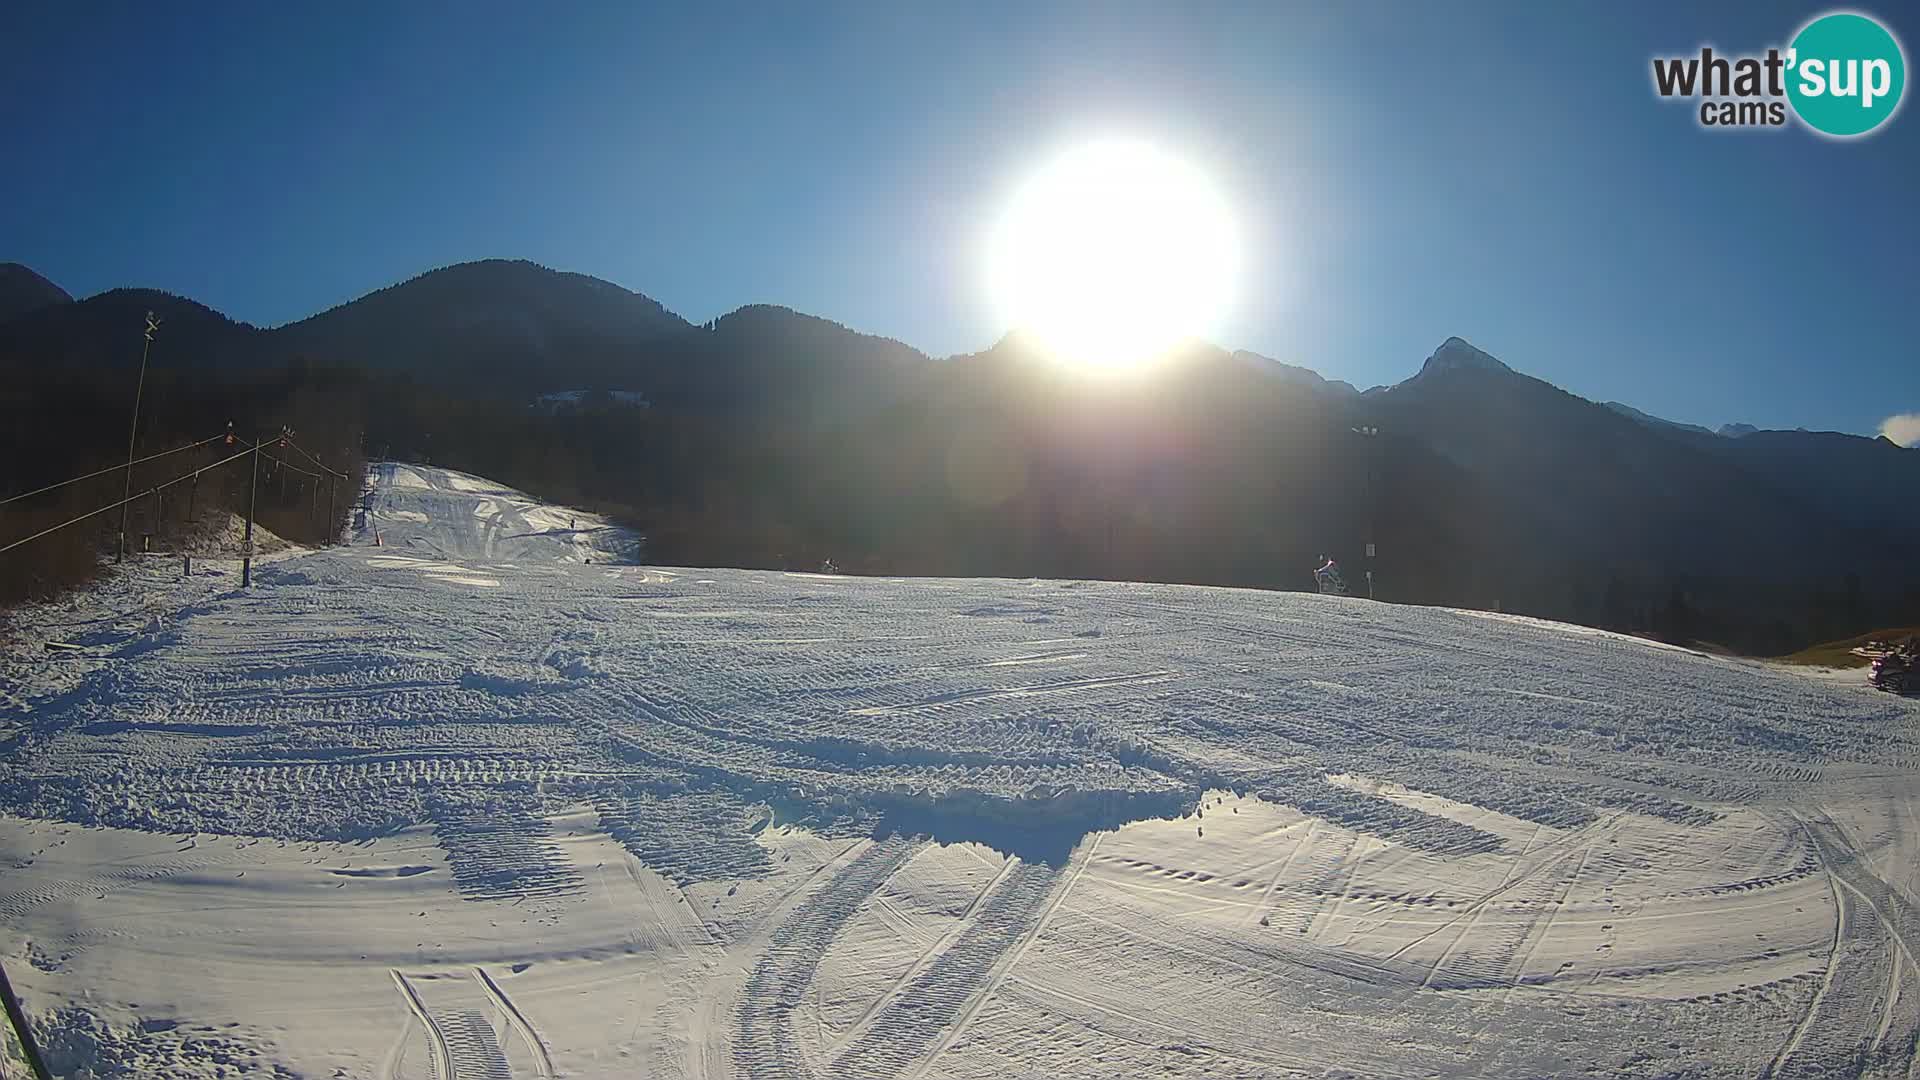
(1897, 672)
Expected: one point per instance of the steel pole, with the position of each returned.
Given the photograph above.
(17, 1016)
(1372, 436)
(133, 432)
(253, 495)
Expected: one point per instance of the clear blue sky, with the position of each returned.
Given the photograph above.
(1404, 172)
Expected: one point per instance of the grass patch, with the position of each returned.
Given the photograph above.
(1839, 654)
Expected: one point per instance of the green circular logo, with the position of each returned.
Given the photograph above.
(1845, 74)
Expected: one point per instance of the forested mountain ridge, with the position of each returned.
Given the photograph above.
(774, 437)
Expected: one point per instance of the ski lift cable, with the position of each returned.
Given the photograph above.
(108, 469)
(125, 501)
(280, 462)
(310, 457)
(284, 439)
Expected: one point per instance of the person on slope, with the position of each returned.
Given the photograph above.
(1328, 577)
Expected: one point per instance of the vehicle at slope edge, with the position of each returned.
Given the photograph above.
(1897, 672)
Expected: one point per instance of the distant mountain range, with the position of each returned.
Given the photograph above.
(1485, 486)
(494, 326)
(514, 322)
(1728, 430)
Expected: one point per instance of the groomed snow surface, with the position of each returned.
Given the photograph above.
(490, 800)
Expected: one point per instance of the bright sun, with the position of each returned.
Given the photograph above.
(1114, 253)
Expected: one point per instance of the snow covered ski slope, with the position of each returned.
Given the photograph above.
(456, 515)
(466, 804)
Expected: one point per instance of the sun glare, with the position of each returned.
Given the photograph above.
(1112, 254)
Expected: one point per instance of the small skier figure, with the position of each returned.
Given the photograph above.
(1328, 577)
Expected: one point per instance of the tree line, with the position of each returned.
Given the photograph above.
(992, 467)
(986, 465)
(66, 421)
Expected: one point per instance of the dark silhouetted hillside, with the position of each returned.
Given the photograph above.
(1849, 477)
(493, 322)
(777, 438)
(106, 330)
(22, 290)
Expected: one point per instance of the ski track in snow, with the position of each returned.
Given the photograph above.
(1239, 832)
